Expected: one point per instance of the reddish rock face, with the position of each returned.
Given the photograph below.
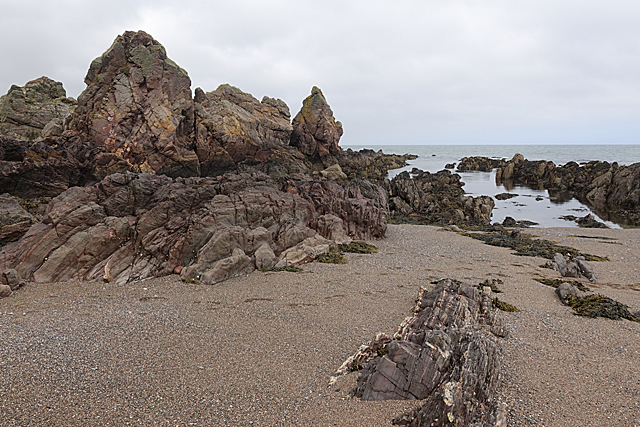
(315, 132)
(138, 105)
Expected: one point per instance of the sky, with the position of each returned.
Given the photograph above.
(394, 72)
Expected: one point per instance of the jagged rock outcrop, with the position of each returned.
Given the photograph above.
(233, 127)
(437, 199)
(572, 267)
(446, 355)
(138, 105)
(370, 164)
(26, 111)
(14, 220)
(612, 191)
(478, 163)
(315, 131)
(133, 226)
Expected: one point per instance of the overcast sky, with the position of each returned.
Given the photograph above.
(394, 72)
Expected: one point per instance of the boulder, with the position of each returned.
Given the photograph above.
(565, 289)
(11, 278)
(14, 220)
(233, 127)
(576, 267)
(5, 291)
(264, 256)
(40, 106)
(333, 173)
(315, 131)
(138, 106)
(445, 355)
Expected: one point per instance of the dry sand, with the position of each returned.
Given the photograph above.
(259, 350)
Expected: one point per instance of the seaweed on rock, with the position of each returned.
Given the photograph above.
(358, 247)
(600, 306)
(331, 258)
(554, 283)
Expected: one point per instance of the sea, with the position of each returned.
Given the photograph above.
(531, 204)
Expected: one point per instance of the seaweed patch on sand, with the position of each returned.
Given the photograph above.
(331, 258)
(600, 306)
(358, 247)
(524, 245)
(554, 283)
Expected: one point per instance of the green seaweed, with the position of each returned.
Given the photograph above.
(554, 283)
(191, 281)
(358, 247)
(355, 366)
(504, 306)
(524, 245)
(492, 284)
(289, 268)
(600, 306)
(382, 351)
(331, 258)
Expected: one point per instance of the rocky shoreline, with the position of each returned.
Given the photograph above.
(139, 180)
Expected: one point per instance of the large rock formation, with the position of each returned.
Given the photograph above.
(437, 199)
(26, 111)
(315, 132)
(445, 355)
(233, 127)
(478, 163)
(134, 226)
(138, 105)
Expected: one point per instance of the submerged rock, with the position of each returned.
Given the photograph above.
(445, 355)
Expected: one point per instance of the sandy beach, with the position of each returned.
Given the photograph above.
(259, 350)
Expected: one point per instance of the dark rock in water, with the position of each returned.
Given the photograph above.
(26, 111)
(132, 226)
(138, 105)
(437, 199)
(589, 221)
(450, 166)
(371, 165)
(14, 220)
(511, 222)
(482, 164)
(505, 196)
(573, 267)
(446, 355)
(315, 131)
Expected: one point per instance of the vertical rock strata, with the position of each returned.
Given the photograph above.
(446, 355)
(138, 105)
(315, 132)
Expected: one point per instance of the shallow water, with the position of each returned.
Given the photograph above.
(531, 204)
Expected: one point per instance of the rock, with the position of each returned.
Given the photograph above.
(134, 226)
(437, 199)
(565, 289)
(371, 165)
(576, 267)
(138, 106)
(315, 131)
(305, 251)
(233, 127)
(11, 278)
(482, 164)
(5, 291)
(450, 166)
(178, 269)
(505, 196)
(264, 256)
(14, 220)
(40, 104)
(589, 221)
(333, 173)
(444, 355)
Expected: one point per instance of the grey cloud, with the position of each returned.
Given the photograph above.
(394, 72)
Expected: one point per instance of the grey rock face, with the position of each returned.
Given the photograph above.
(26, 111)
(443, 356)
(577, 267)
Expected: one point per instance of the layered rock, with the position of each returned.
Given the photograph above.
(316, 133)
(133, 226)
(25, 111)
(445, 355)
(437, 199)
(233, 127)
(14, 220)
(478, 163)
(138, 106)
